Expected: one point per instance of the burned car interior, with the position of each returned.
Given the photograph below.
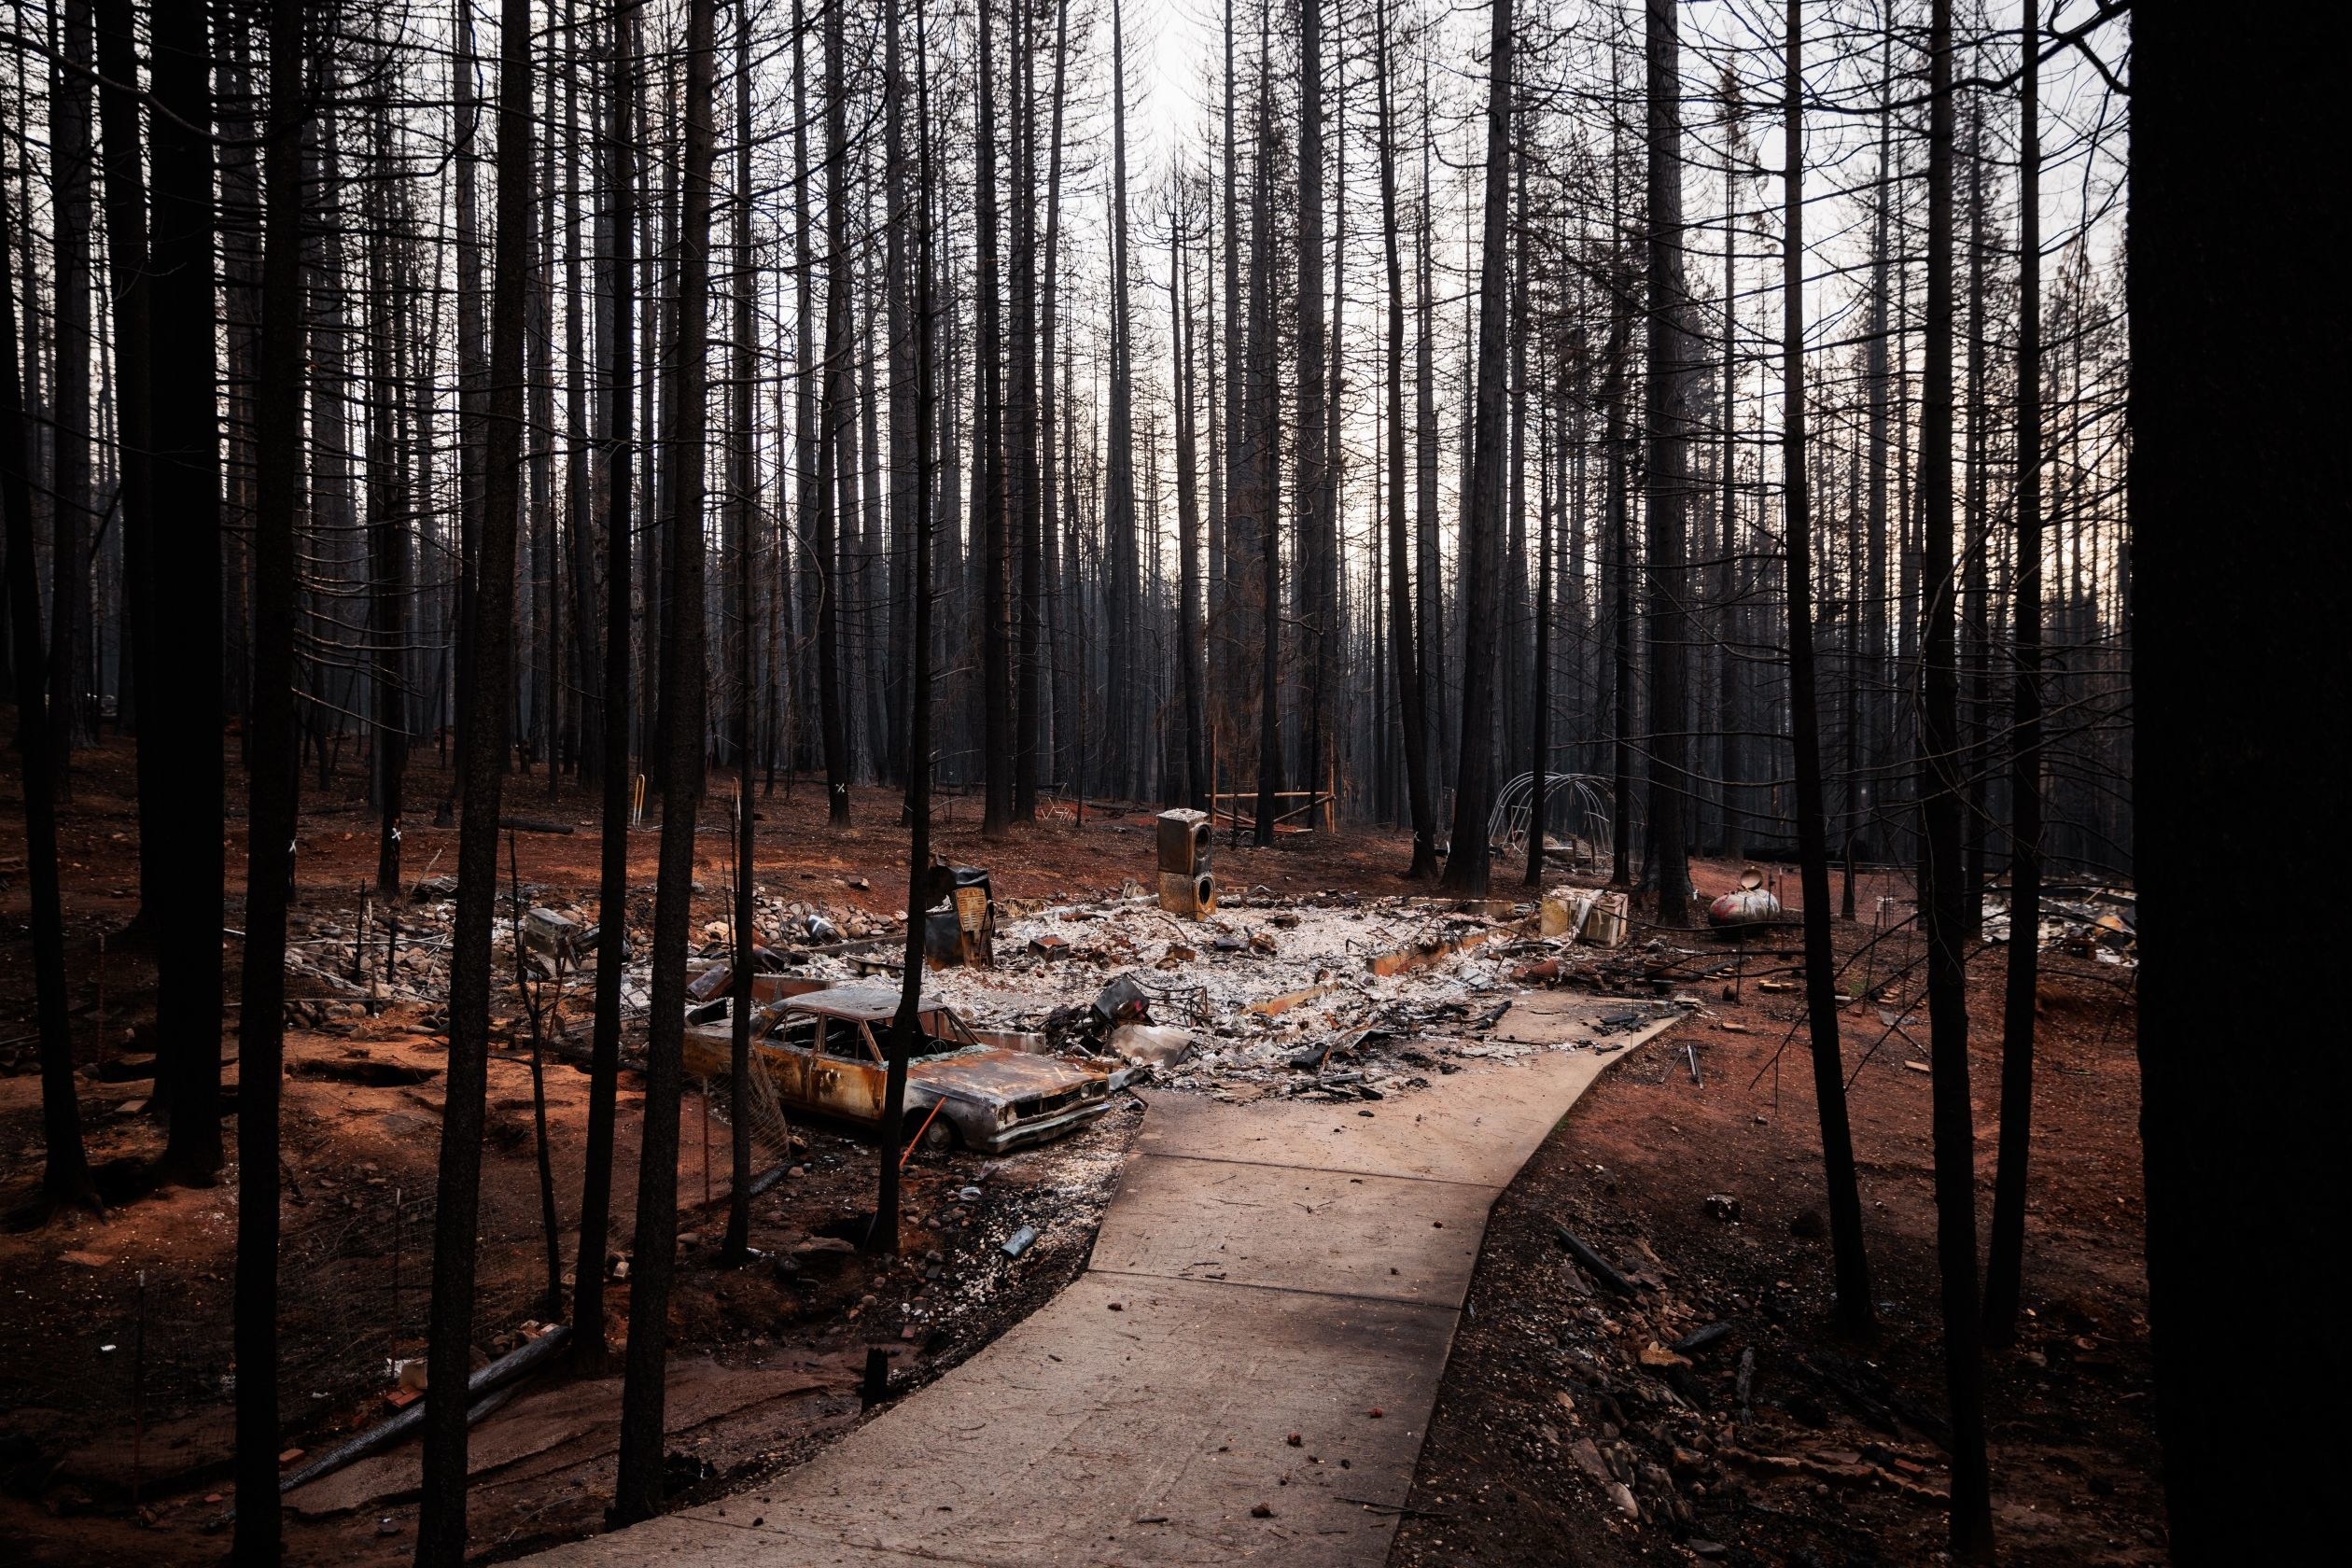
(823, 1051)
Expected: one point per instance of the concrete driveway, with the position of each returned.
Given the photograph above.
(1245, 1371)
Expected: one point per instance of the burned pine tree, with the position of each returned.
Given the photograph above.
(273, 784)
(1122, 762)
(2005, 1261)
(130, 290)
(906, 1021)
(619, 164)
(1406, 647)
(836, 415)
(1666, 480)
(1261, 440)
(74, 523)
(65, 1176)
(742, 488)
(484, 721)
(1943, 893)
(637, 1493)
(1468, 864)
(991, 527)
(1854, 1310)
(182, 696)
(1316, 566)
(390, 507)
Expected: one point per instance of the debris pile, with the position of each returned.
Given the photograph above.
(1026, 1219)
(2098, 923)
(359, 963)
(1333, 994)
(1681, 1409)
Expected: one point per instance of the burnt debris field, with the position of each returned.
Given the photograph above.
(1693, 1178)
(1101, 781)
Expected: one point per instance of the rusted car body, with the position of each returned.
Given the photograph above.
(824, 1052)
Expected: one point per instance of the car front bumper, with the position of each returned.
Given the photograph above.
(993, 1139)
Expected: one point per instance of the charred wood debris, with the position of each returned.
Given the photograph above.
(1332, 994)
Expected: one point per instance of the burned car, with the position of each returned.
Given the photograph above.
(823, 1050)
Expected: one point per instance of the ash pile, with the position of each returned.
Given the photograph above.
(373, 957)
(2100, 924)
(1331, 994)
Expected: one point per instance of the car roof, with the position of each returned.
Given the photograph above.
(868, 1005)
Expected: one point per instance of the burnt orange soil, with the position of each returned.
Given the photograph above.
(1827, 1469)
(2073, 1456)
(107, 1385)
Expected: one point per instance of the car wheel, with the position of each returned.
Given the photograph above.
(939, 1136)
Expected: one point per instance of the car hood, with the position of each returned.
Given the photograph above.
(992, 1076)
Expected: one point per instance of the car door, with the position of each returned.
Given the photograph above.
(790, 1046)
(872, 1068)
(843, 1079)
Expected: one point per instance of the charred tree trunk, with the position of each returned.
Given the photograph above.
(1541, 747)
(1051, 460)
(1317, 534)
(906, 1023)
(638, 1488)
(1429, 570)
(536, 680)
(1122, 768)
(806, 453)
(587, 730)
(1943, 893)
(742, 502)
(1539, 739)
(185, 691)
(2005, 1264)
(1467, 865)
(1194, 784)
(471, 392)
(65, 1177)
(272, 781)
(990, 522)
(1023, 474)
(612, 896)
(1405, 655)
(1975, 654)
(1853, 1310)
(69, 439)
(1618, 553)
(1225, 638)
(1263, 439)
(836, 415)
(1511, 600)
(1729, 667)
(900, 359)
(1666, 476)
(127, 275)
(1877, 723)
(388, 509)
(874, 597)
(484, 725)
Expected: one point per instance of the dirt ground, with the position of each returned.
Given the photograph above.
(1833, 1459)
(116, 1375)
(115, 1379)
